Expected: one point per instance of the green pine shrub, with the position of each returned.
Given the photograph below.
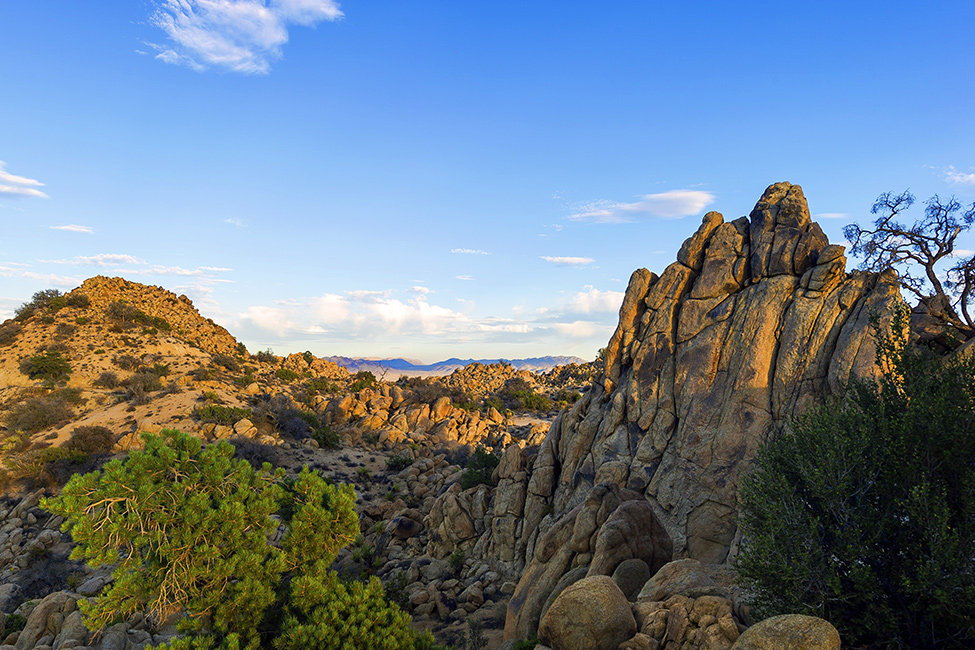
(480, 467)
(218, 414)
(362, 380)
(193, 543)
(50, 366)
(286, 374)
(864, 512)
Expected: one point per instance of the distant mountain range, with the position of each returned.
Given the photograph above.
(399, 367)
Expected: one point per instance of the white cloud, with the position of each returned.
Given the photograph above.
(421, 290)
(672, 204)
(468, 251)
(72, 227)
(832, 215)
(237, 35)
(962, 252)
(464, 277)
(952, 175)
(235, 222)
(51, 279)
(592, 300)
(568, 261)
(11, 185)
(580, 329)
(102, 259)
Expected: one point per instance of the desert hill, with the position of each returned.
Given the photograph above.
(394, 368)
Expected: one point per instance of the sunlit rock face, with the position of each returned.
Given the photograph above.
(755, 321)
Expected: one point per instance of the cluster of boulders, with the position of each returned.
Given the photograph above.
(479, 380)
(178, 311)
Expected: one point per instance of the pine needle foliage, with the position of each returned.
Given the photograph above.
(188, 528)
(864, 512)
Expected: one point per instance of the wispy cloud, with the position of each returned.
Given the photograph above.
(235, 222)
(468, 251)
(952, 175)
(568, 261)
(102, 259)
(9, 270)
(463, 277)
(13, 186)
(237, 35)
(73, 227)
(672, 204)
(591, 300)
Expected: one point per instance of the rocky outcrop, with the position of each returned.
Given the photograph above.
(790, 631)
(178, 311)
(755, 321)
(591, 614)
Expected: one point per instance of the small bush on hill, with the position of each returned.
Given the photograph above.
(480, 466)
(64, 330)
(127, 315)
(864, 513)
(139, 385)
(532, 401)
(266, 356)
(107, 379)
(218, 414)
(91, 440)
(308, 356)
(201, 373)
(286, 374)
(227, 362)
(77, 300)
(398, 462)
(9, 332)
(49, 299)
(49, 366)
(361, 380)
(319, 385)
(126, 362)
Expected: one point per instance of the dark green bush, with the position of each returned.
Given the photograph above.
(49, 366)
(218, 414)
(480, 466)
(528, 399)
(398, 462)
(864, 513)
(286, 374)
(266, 356)
(144, 381)
(361, 380)
(308, 356)
(320, 385)
(49, 299)
(126, 362)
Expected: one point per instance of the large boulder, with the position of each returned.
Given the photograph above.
(789, 631)
(592, 614)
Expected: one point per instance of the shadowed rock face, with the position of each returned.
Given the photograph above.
(756, 321)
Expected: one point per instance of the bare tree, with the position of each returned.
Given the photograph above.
(920, 252)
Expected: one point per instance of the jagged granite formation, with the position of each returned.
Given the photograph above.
(756, 320)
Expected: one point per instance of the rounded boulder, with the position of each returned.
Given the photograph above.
(789, 631)
(591, 614)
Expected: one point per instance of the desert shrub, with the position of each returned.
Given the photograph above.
(91, 440)
(308, 356)
(496, 402)
(49, 366)
(49, 299)
(245, 379)
(9, 332)
(218, 414)
(456, 561)
(398, 462)
(209, 558)
(241, 348)
(107, 379)
(123, 312)
(48, 466)
(139, 385)
(266, 356)
(13, 623)
(81, 320)
(528, 399)
(127, 362)
(479, 468)
(525, 644)
(361, 380)
(64, 330)
(302, 424)
(226, 361)
(864, 512)
(77, 300)
(159, 369)
(38, 413)
(201, 373)
(211, 396)
(319, 385)
(286, 374)
(566, 396)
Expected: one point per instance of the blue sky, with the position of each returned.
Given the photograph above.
(435, 179)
